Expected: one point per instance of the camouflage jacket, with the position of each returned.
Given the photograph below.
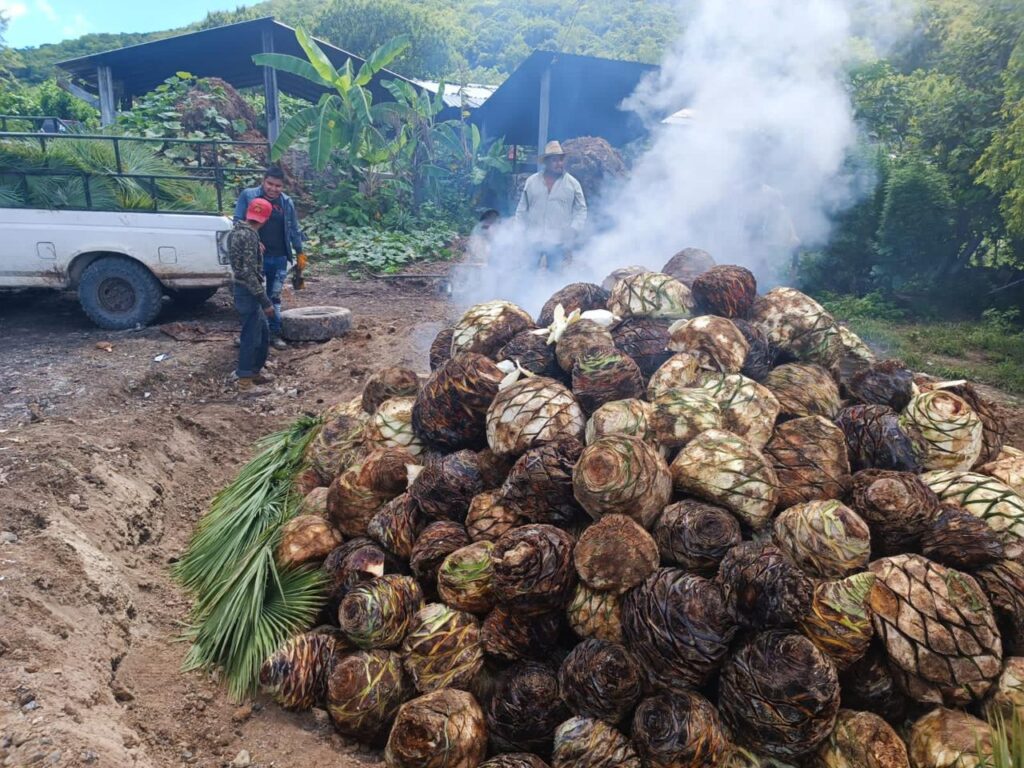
(244, 252)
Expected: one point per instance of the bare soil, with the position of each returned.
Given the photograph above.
(111, 445)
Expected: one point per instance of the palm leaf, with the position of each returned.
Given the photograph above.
(381, 57)
(245, 606)
(296, 127)
(317, 58)
(293, 65)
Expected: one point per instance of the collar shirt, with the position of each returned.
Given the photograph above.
(555, 216)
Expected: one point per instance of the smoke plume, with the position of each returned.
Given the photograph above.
(751, 171)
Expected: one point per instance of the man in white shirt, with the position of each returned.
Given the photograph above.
(552, 210)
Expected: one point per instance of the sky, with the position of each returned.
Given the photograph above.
(34, 22)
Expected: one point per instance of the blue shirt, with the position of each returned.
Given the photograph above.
(293, 235)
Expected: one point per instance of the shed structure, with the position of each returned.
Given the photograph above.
(564, 95)
(226, 52)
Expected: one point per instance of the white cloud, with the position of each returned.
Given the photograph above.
(12, 9)
(47, 10)
(79, 26)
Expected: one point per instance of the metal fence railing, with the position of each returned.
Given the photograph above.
(47, 123)
(208, 167)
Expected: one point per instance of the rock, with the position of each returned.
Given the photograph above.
(75, 500)
(8, 537)
(121, 693)
(242, 714)
(54, 757)
(242, 760)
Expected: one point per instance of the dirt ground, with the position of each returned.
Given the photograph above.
(107, 460)
(111, 445)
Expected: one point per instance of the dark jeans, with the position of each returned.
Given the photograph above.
(276, 270)
(255, 338)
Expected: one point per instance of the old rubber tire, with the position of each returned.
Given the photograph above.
(315, 323)
(118, 293)
(192, 297)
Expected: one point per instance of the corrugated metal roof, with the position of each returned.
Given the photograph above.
(225, 52)
(586, 94)
(471, 96)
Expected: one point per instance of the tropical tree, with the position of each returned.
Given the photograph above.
(342, 120)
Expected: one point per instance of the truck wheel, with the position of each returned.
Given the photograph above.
(315, 323)
(192, 297)
(119, 294)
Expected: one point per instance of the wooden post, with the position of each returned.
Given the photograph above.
(108, 111)
(545, 113)
(273, 109)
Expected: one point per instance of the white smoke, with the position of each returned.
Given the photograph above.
(751, 172)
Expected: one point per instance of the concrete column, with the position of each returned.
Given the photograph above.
(545, 113)
(108, 110)
(270, 93)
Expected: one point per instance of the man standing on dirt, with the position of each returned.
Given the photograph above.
(553, 210)
(280, 239)
(251, 299)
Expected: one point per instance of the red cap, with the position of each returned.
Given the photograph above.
(259, 210)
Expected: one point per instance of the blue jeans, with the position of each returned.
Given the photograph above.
(276, 270)
(255, 338)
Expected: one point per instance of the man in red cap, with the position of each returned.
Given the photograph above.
(251, 298)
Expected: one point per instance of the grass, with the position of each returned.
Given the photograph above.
(989, 351)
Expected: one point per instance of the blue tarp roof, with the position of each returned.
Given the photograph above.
(586, 92)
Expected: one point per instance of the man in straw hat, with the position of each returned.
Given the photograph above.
(552, 209)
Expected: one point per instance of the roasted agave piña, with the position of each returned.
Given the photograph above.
(585, 742)
(364, 692)
(650, 294)
(533, 571)
(779, 695)
(486, 328)
(645, 339)
(582, 296)
(810, 460)
(622, 475)
(531, 412)
(839, 620)
(442, 648)
(726, 291)
(696, 536)
(442, 729)
(394, 381)
(451, 408)
(827, 539)
(679, 731)
(525, 710)
(716, 343)
(600, 679)
(296, 674)
(615, 554)
(875, 440)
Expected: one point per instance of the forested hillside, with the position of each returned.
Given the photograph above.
(479, 40)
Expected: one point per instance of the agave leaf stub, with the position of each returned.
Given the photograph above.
(485, 328)
(442, 649)
(800, 325)
(779, 695)
(532, 412)
(364, 692)
(946, 432)
(946, 737)
(727, 291)
(296, 674)
(584, 742)
(525, 710)
(678, 627)
(681, 730)
(622, 475)
(748, 409)
(600, 679)
(725, 469)
(938, 629)
(682, 414)
(595, 614)
(827, 539)
(862, 739)
(651, 294)
(443, 729)
(716, 343)
(983, 497)
(839, 621)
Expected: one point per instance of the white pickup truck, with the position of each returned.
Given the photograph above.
(121, 263)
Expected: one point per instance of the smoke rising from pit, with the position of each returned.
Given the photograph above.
(752, 171)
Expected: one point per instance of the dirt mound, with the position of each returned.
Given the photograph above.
(212, 93)
(594, 162)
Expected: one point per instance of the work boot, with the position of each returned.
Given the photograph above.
(249, 385)
(263, 378)
(278, 343)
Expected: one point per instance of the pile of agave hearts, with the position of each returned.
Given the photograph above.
(670, 523)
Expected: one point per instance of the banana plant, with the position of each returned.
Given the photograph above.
(342, 120)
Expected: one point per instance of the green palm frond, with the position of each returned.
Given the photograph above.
(245, 606)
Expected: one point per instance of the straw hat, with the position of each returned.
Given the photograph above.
(551, 149)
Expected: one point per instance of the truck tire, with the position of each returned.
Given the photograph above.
(119, 294)
(192, 297)
(315, 323)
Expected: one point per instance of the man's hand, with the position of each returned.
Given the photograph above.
(269, 311)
